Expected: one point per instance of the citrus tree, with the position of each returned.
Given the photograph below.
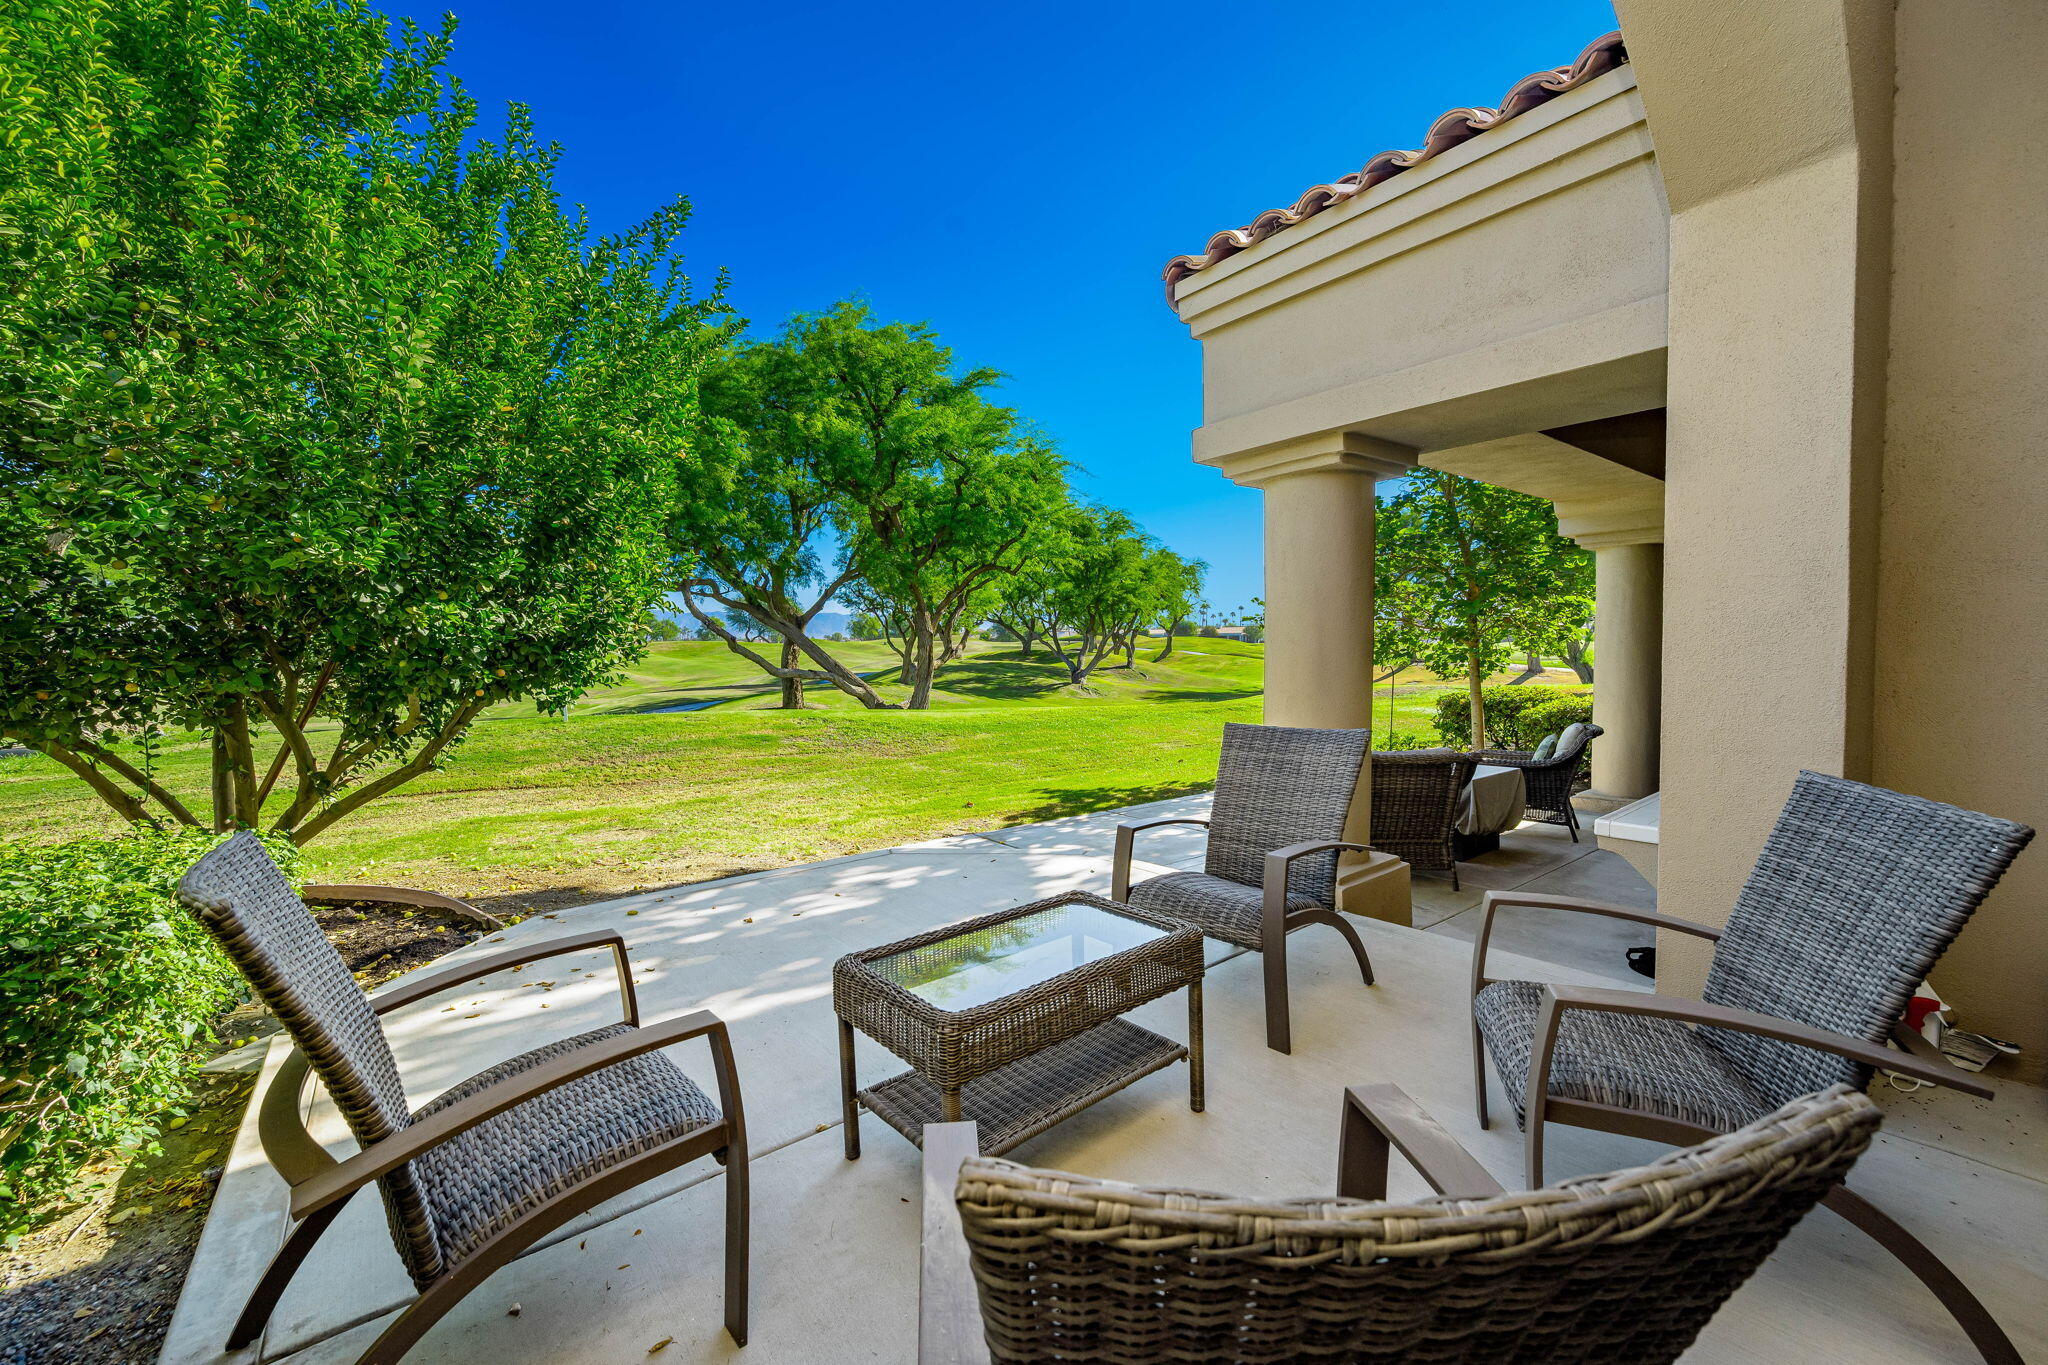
(323, 424)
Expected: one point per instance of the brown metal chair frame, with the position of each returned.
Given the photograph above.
(1276, 921)
(1920, 1060)
(322, 1186)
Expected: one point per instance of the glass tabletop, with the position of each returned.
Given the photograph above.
(974, 968)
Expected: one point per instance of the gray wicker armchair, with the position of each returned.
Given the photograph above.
(1415, 805)
(489, 1167)
(1022, 1265)
(1856, 894)
(1275, 831)
(1550, 782)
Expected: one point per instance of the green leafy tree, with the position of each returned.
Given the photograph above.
(930, 487)
(323, 425)
(1176, 587)
(1469, 571)
(758, 504)
(1108, 587)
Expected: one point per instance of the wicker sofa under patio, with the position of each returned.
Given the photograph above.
(1550, 781)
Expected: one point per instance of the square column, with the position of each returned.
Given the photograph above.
(1628, 677)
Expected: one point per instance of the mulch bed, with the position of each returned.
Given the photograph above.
(96, 1284)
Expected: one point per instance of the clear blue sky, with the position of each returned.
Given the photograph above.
(1016, 175)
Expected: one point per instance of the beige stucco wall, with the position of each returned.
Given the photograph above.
(1770, 141)
(1858, 409)
(1962, 602)
(1518, 274)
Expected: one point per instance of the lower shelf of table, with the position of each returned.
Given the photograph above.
(1031, 1094)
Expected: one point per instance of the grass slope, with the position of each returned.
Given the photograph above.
(538, 811)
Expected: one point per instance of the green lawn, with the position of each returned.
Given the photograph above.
(539, 810)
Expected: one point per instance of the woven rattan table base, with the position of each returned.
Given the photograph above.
(1030, 1095)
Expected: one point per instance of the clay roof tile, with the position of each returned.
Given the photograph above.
(1600, 56)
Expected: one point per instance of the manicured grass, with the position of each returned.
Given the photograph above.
(543, 810)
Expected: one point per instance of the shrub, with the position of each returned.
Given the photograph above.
(1516, 717)
(107, 985)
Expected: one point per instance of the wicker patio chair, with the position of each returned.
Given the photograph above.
(1275, 831)
(1625, 1267)
(1857, 892)
(1552, 781)
(485, 1170)
(1415, 805)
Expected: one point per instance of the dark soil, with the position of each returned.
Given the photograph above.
(96, 1284)
(379, 942)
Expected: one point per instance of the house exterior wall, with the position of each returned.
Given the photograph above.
(1828, 270)
(1962, 598)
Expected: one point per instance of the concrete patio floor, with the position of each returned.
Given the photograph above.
(835, 1242)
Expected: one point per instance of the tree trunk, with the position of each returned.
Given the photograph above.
(1475, 681)
(920, 665)
(792, 682)
(223, 785)
(1171, 627)
(1575, 655)
(1533, 669)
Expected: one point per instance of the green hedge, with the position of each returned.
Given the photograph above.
(1516, 717)
(107, 988)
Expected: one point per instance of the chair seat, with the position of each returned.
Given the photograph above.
(1657, 1065)
(1220, 908)
(481, 1181)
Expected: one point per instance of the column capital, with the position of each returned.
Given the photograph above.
(1331, 452)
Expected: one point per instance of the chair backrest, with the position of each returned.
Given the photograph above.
(241, 898)
(1626, 1266)
(1415, 792)
(1276, 786)
(1857, 892)
(1572, 743)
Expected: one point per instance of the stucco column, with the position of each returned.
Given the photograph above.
(1319, 497)
(1628, 676)
(1319, 571)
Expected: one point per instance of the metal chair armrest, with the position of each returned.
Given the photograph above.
(1535, 900)
(419, 988)
(1279, 864)
(948, 1305)
(350, 1175)
(1380, 1117)
(1126, 835)
(1558, 999)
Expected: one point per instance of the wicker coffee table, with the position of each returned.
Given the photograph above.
(1012, 1019)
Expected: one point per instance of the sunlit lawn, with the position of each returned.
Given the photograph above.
(615, 797)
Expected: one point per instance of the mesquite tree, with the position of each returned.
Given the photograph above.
(758, 508)
(1176, 588)
(323, 425)
(1468, 571)
(1107, 589)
